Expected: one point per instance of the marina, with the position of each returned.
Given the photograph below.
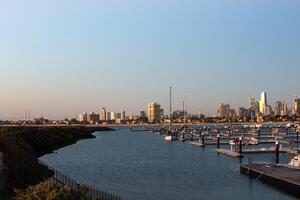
(144, 166)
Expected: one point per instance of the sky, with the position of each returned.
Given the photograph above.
(59, 58)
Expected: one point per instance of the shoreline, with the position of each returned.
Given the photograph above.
(21, 147)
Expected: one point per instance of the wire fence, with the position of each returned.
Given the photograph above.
(60, 178)
(24, 169)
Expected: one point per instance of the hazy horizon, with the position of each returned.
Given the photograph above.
(64, 57)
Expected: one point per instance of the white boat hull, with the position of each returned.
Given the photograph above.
(169, 138)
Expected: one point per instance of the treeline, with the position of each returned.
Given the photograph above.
(42, 140)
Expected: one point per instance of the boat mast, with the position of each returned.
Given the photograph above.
(170, 105)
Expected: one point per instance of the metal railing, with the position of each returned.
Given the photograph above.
(60, 178)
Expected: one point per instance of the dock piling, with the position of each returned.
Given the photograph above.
(202, 140)
(277, 152)
(218, 141)
(240, 145)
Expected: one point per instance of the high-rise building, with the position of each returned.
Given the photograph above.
(296, 106)
(83, 117)
(118, 115)
(285, 108)
(103, 114)
(243, 112)
(93, 118)
(263, 103)
(224, 110)
(108, 117)
(252, 103)
(268, 110)
(154, 113)
(123, 115)
(143, 114)
(278, 108)
(112, 116)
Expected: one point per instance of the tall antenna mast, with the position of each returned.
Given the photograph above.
(183, 112)
(170, 104)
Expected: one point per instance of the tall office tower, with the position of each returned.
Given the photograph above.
(297, 106)
(123, 115)
(154, 113)
(224, 110)
(93, 118)
(263, 103)
(252, 102)
(285, 109)
(112, 115)
(83, 117)
(278, 108)
(108, 117)
(268, 110)
(103, 114)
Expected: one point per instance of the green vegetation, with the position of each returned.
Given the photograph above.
(51, 191)
(42, 140)
(21, 146)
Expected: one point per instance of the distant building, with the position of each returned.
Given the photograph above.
(83, 117)
(243, 112)
(252, 103)
(278, 108)
(143, 114)
(263, 103)
(103, 114)
(154, 113)
(296, 108)
(224, 110)
(123, 115)
(112, 116)
(285, 109)
(268, 110)
(179, 114)
(162, 113)
(93, 118)
(108, 117)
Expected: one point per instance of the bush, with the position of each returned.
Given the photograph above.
(51, 191)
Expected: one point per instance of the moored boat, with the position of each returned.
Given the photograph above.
(295, 162)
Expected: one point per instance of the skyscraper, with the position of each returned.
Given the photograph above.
(278, 108)
(93, 118)
(103, 114)
(123, 115)
(251, 102)
(263, 103)
(297, 106)
(154, 113)
(285, 108)
(83, 117)
(224, 110)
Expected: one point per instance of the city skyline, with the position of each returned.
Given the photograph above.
(246, 104)
(59, 58)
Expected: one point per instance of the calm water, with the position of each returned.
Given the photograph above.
(142, 165)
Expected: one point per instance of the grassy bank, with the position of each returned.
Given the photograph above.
(20, 147)
(43, 140)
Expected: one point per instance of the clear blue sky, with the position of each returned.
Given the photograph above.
(62, 57)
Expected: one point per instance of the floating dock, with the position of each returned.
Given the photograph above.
(229, 153)
(280, 176)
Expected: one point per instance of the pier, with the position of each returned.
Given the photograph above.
(229, 153)
(280, 176)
